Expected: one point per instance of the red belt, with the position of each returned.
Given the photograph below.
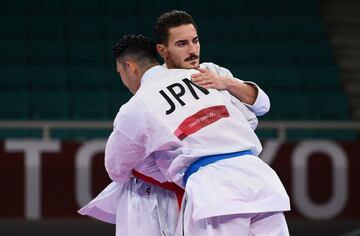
(166, 185)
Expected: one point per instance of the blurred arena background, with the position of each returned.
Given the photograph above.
(59, 92)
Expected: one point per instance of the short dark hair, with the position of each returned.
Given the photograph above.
(138, 47)
(169, 20)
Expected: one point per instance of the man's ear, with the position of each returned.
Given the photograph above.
(161, 49)
(130, 66)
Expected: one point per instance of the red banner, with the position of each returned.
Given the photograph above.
(53, 179)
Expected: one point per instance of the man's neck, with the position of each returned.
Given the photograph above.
(147, 67)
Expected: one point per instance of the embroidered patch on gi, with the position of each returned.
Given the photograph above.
(199, 120)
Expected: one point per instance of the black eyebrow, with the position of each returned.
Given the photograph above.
(181, 41)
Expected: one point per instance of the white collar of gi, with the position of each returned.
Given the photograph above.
(151, 74)
(165, 66)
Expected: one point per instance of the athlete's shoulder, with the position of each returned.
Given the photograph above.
(184, 71)
(178, 74)
(216, 68)
(208, 65)
(130, 112)
(128, 107)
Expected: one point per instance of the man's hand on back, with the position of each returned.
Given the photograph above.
(209, 79)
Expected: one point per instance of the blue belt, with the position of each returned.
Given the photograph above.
(206, 160)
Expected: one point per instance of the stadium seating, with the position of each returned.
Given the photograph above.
(46, 52)
(13, 27)
(50, 29)
(48, 78)
(92, 105)
(45, 8)
(292, 78)
(50, 106)
(85, 52)
(119, 8)
(16, 7)
(14, 52)
(57, 63)
(14, 106)
(82, 28)
(82, 7)
(289, 106)
(321, 78)
(86, 78)
(14, 78)
(329, 106)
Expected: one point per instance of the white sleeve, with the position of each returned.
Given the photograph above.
(128, 146)
(248, 113)
(122, 155)
(262, 103)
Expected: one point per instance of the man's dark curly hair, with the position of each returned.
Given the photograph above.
(169, 20)
(138, 47)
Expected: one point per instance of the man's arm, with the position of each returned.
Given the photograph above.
(246, 93)
(214, 76)
(122, 155)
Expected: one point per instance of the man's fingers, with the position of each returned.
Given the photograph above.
(205, 75)
(197, 79)
(200, 78)
(203, 82)
(196, 75)
(202, 72)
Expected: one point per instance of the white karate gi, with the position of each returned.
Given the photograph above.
(116, 204)
(146, 124)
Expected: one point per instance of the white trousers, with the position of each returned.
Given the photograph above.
(137, 208)
(145, 209)
(256, 224)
